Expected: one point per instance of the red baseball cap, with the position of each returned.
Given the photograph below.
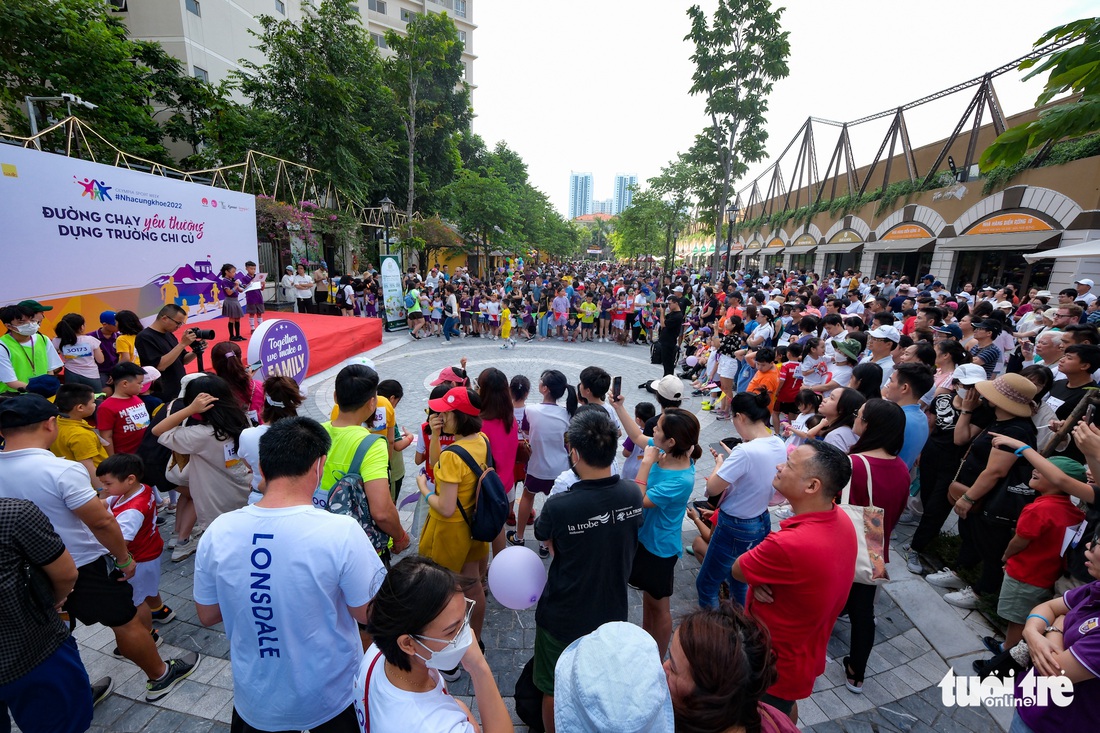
(448, 375)
(457, 398)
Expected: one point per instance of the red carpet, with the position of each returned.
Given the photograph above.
(331, 338)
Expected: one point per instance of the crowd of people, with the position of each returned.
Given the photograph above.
(855, 404)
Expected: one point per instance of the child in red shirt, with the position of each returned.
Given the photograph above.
(122, 418)
(135, 508)
(790, 384)
(1033, 559)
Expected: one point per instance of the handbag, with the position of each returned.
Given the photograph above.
(869, 522)
(176, 472)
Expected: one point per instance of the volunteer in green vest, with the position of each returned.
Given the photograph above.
(24, 353)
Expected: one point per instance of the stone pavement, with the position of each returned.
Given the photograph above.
(918, 637)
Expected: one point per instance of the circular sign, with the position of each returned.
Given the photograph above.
(278, 348)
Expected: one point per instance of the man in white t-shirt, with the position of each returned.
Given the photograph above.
(290, 582)
(63, 491)
(882, 341)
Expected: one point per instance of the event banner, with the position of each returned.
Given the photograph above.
(85, 237)
(393, 295)
(278, 348)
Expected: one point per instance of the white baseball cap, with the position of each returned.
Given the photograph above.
(886, 332)
(1085, 281)
(969, 374)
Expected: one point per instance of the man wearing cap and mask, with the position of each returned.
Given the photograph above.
(24, 352)
(62, 490)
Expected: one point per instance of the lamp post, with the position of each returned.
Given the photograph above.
(387, 211)
(66, 97)
(731, 214)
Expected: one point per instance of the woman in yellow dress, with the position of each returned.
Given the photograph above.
(446, 536)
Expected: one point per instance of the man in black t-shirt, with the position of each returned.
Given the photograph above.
(1077, 365)
(593, 530)
(672, 323)
(157, 346)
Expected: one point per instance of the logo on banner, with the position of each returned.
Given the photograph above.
(96, 190)
(281, 350)
(209, 202)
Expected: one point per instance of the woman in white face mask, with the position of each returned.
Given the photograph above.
(420, 623)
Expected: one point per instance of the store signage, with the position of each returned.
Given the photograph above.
(907, 231)
(846, 236)
(777, 242)
(1003, 223)
(806, 240)
(754, 244)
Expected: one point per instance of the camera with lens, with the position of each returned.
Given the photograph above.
(203, 334)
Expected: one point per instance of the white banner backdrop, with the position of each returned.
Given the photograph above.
(86, 237)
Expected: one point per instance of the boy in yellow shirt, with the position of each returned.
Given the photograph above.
(506, 326)
(76, 439)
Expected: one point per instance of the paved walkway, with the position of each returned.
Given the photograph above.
(918, 638)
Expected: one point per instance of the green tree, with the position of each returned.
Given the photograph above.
(739, 55)
(1075, 70)
(325, 100)
(673, 187)
(426, 73)
(79, 47)
(434, 236)
(480, 204)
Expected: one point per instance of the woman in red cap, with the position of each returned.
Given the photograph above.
(446, 536)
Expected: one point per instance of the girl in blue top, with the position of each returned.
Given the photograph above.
(666, 478)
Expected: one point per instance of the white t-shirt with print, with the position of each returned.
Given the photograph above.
(393, 710)
(284, 579)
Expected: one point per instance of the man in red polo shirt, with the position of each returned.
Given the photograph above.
(801, 575)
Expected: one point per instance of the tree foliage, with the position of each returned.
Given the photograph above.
(425, 73)
(78, 47)
(739, 54)
(324, 99)
(1074, 70)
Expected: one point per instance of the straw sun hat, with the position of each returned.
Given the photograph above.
(1010, 392)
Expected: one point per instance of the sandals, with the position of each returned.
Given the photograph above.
(853, 683)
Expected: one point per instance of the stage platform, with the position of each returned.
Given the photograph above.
(331, 338)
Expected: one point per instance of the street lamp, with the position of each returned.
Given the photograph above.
(387, 211)
(731, 214)
(66, 97)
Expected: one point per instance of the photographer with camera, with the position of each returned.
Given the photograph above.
(158, 346)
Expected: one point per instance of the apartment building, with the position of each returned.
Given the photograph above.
(624, 195)
(211, 36)
(580, 194)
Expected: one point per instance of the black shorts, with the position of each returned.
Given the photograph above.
(535, 485)
(652, 574)
(101, 597)
(787, 408)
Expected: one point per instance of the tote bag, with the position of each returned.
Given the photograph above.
(869, 522)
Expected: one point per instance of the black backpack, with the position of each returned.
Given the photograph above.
(490, 510)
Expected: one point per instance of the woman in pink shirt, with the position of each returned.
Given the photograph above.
(498, 422)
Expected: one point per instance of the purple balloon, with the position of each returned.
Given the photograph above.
(516, 578)
(692, 361)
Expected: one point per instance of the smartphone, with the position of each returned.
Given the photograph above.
(1089, 412)
(616, 387)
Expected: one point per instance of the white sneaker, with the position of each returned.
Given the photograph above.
(783, 511)
(451, 675)
(909, 518)
(965, 598)
(185, 549)
(946, 578)
(913, 563)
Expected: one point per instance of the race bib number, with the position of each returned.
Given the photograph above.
(231, 458)
(75, 351)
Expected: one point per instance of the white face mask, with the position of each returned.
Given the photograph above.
(27, 329)
(962, 392)
(451, 655)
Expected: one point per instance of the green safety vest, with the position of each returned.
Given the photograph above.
(26, 366)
